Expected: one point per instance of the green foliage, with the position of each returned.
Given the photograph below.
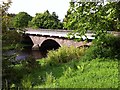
(11, 74)
(97, 73)
(6, 69)
(98, 68)
(6, 19)
(46, 20)
(16, 75)
(11, 37)
(29, 64)
(10, 40)
(104, 47)
(67, 72)
(64, 55)
(94, 16)
(26, 82)
(11, 20)
(49, 79)
(21, 20)
(75, 73)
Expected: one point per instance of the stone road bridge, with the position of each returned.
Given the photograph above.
(52, 39)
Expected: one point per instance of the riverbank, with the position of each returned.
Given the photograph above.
(75, 73)
(70, 67)
(96, 73)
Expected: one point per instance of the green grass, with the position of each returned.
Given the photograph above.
(97, 73)
(93, 74)
(73, 68)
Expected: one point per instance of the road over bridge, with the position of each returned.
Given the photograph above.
(46, 38)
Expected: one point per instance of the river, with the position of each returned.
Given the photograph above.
(23, 54)
(27, 49)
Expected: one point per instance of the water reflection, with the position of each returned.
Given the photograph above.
(37, 54)
(22, 55)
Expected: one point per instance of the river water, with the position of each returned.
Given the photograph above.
(27, 49)
(23, 54)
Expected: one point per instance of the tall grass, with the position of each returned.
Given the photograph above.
(97, 73)
(27, 82)
(70, 67)
(64, 55)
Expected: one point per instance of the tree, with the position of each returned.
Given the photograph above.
(46, 21)
(11, 22)
(94, 16)
(9, 39)
(21, 20)
(4, 15)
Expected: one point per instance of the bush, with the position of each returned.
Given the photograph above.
(107, 46)
(64, 55)
(49, 78)
(27, 82)
(10, 37)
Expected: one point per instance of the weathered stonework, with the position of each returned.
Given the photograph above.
(38, 40)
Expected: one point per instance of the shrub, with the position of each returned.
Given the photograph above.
(49, 78)
(107, 46)
(67, 72)
(27, 82)
(64, 54)
(10, 37)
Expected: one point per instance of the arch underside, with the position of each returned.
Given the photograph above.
(49, 44)
(27, 41)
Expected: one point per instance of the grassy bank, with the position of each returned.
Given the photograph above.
(97, 73)
(94, 67)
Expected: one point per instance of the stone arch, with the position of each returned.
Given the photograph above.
(50, 38)
(49, 44)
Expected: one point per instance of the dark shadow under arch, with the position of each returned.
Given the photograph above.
(49, 44)
(27, 42)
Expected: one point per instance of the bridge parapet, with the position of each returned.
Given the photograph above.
(116, 33)
(48, 32)
(55, 32)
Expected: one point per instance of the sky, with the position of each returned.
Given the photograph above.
(39, 6)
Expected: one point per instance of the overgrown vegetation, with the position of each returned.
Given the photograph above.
(98, 73)
(105, 47)
(73, 67)
(64, 55)
(98, 68)
(11, 40)
(93, 67)
(98, 17)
